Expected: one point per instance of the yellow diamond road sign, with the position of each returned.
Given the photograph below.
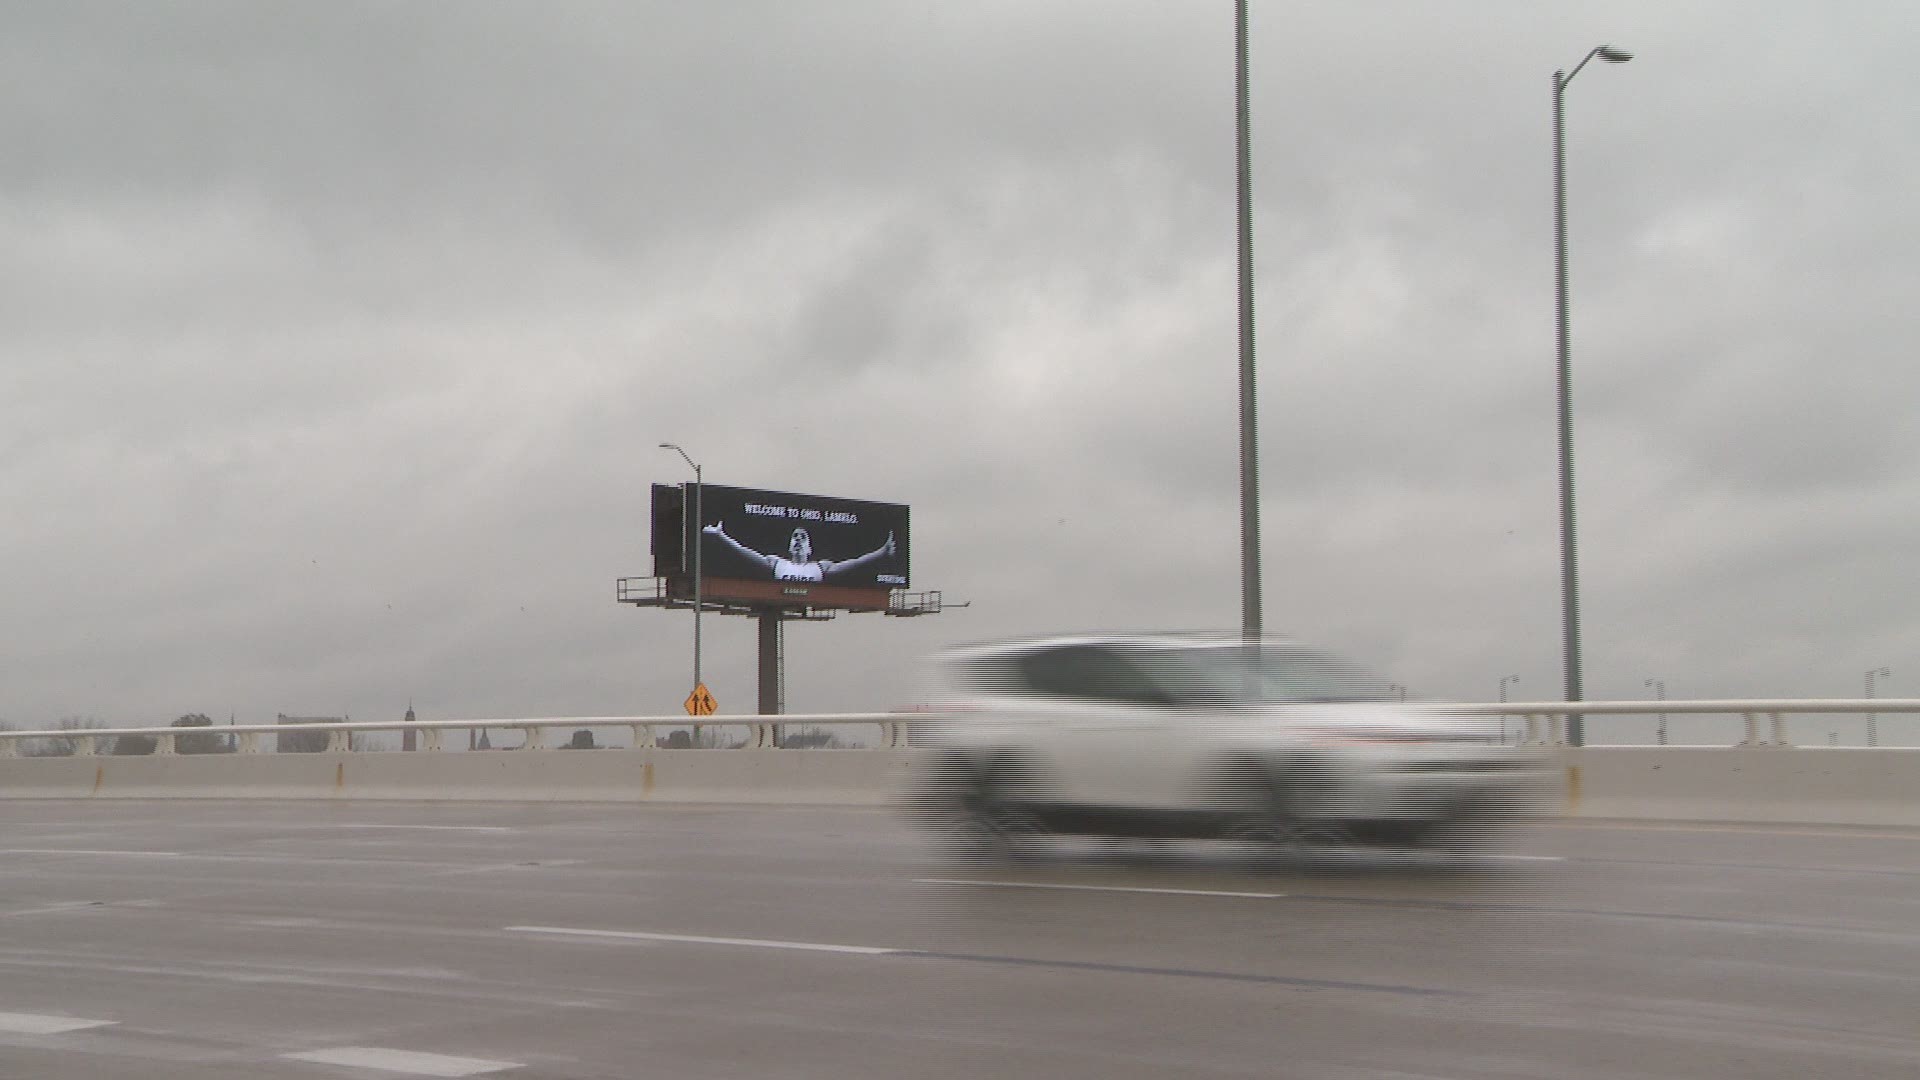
(700, 702)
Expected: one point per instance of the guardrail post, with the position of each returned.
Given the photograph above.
(535, 738)
(339, 741)
(430, 739)
(9, 747)
(163, 743)
(1753, 729)
(642, 735)
(1779, 726)
(83, 746)
(248, 742)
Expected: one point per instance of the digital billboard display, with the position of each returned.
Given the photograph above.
(782, 538)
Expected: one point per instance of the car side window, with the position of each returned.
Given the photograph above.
(1089, 673)
(1050, 672)
(994, 675)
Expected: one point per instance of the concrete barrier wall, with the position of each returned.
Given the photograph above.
(1816, 786)
(1813, 786)
(797, 777)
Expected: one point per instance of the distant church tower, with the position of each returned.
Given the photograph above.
(406, 737)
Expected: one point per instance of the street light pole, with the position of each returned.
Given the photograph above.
(1569, 577)
(1660, 694)
(698, 489)
(1249, 446)
(1873, 719)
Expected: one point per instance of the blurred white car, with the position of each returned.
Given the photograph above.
(1183, 736)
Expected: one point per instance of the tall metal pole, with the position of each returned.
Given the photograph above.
(1569, 577)
(1249, 450)
(1569, 574)
(1873, 719)
(699, 520)
(699, 523)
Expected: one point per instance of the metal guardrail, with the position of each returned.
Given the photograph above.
(246, 738)
(1546, 720)
(1545, 724)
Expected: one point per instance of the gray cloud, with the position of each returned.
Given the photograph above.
(335, 341)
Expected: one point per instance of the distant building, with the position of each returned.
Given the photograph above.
(407, 737)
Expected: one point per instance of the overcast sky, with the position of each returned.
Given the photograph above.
(336, 339)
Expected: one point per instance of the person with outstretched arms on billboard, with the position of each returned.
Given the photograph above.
(799, 565)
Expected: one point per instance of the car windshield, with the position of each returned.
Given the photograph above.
(1269, 674)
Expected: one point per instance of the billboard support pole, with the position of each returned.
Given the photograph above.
(769, 619)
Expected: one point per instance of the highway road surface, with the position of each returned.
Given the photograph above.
(164, 940)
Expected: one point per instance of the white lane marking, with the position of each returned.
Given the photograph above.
(1530, 858)
(53, 908)
(437, 828)
(59, 906)
(404, 1061)
(91, 851)
(1758, 828)
(982, 884)
(490, 868)
(267, 857)
(695, 939)
(34, 1024)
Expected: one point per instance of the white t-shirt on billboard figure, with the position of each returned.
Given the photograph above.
(788, 570)
(799, 565)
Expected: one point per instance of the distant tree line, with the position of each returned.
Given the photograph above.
(199, 742)
(208, 742)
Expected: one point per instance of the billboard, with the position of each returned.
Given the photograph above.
(783, 543)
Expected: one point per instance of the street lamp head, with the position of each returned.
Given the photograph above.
(1612, 55)
(684, 456)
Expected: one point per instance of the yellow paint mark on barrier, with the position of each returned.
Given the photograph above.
(340, 774)
(1573, 789)
(646, 780)
(99, 777)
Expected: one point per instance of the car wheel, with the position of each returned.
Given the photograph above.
(983, 821)
(1264, 810)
